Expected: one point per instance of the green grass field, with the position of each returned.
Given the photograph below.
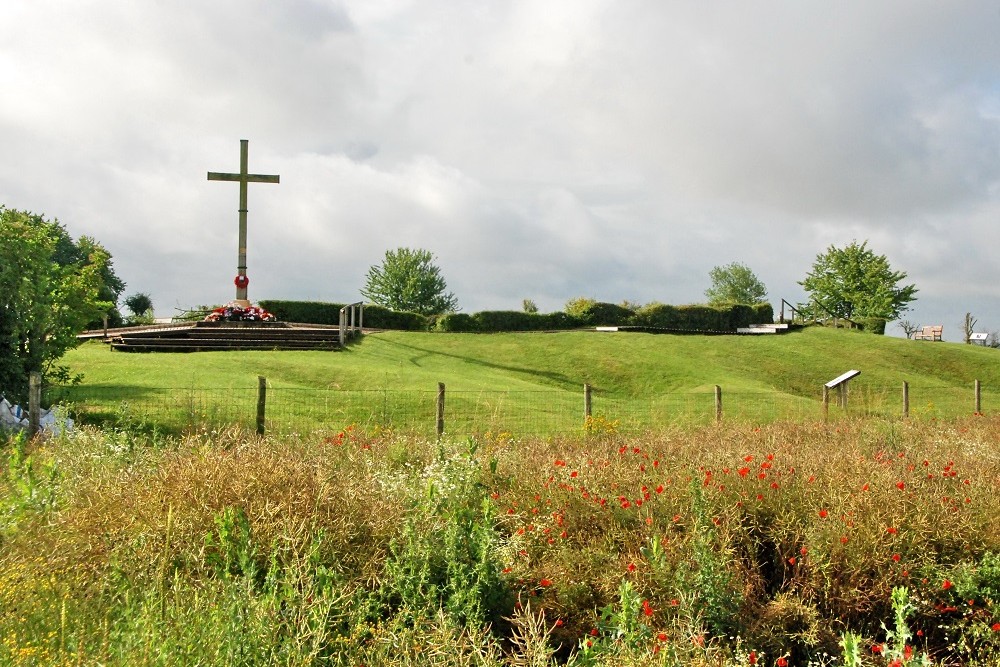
(865, 541)
(533, 381)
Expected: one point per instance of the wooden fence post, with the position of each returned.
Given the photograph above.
(906, 399)
(586, 403)
(261, 403)
(34, 402)
(979, 398)
(440, 410)
(826, 403)
(718, 403)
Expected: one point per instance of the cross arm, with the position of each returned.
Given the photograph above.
(251, 178)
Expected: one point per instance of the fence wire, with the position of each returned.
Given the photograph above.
(299, 410)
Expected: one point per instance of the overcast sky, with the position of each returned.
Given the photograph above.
(614, 149)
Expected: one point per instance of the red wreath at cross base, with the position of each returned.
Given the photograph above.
(236, 312)
(241, 281)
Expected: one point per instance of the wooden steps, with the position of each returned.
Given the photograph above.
(221, 336)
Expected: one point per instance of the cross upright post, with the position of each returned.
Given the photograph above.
(243, 178)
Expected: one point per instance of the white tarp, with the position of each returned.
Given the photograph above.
(16, 417)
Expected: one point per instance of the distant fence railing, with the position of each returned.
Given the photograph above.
(436, 411)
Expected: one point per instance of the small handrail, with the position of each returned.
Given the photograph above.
(836, 318)
(840, 384)
(351, 321)
(793, 311)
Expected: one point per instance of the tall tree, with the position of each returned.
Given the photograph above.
(48, 294)
(855, 283)
(735, 283)
(408, 280)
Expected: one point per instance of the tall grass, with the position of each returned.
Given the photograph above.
(689, 545)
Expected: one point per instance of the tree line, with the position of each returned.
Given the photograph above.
(52, 287)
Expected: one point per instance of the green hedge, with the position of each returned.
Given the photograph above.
(515, 320)
(317, 312)
(657, 315)
(456, 323)
(600, 314)
(703, 317)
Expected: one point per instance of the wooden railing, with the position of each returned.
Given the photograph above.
(351, 321)
(793, 311)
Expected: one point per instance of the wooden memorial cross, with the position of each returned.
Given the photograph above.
(242, 178)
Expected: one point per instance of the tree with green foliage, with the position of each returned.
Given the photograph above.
(139, 303)
(49, 292)
(855, 283)
(735, 283)
(408, 280)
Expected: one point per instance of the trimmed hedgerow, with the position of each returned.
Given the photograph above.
(513, 320)
(318, 312)
(703, 317)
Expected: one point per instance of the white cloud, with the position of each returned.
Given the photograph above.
(541, 150)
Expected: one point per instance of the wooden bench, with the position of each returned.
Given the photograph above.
(930, 332)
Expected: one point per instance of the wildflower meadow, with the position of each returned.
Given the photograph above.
(855, 542)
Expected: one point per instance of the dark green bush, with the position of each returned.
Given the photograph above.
(308, 312)
(763, 313)
(875, 325)
(378, 317)
(456, 322)
(703, 317)
(598, 314)
(513, 320)
(317, 312)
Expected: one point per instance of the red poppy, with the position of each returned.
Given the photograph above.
(896, 557)
(647, 608)
(559, 622)
(744, 471)
(791, 561)
(662, 636)
(900, 485)
(752, 658)
(995, 627)
(946, 585)
(823, 514)
(545, 583)
(781, 662)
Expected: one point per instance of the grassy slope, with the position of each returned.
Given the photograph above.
(622, 364)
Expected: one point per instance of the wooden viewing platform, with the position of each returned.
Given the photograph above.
(219, 336)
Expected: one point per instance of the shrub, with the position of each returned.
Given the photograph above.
(511, 320)
(318, 312)
(728, 317)
(455, 323)
(597, 313)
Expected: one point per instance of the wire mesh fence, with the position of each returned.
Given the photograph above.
(284, 409)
